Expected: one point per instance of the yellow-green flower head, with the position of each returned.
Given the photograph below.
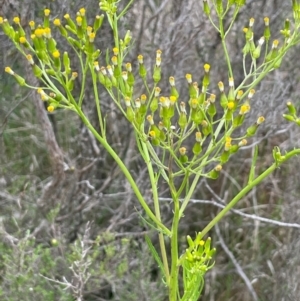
(227, 146)
(74, 75)
(158, 61)
(275, 44)
(96, 66)
(230, 105)
(194, 103)
(260, 120)
(150, 119)
(143, 98)
(189, 78)
(239, 94)
(182, 151)
(79, 20)
(16, 20)
(82, 11)
(67, 16)
(114, 60)
(125, 75)
(92, 37)
(30, 59)
(152, 134)
(228, 139)
(47, 12)
(32, 24)
(218, 167)
(245, 30)
(89, 30)
(56, 54)
(172, 100)
(158, 53)
(267, 21)
(116, 50)
(137, 103)
(103, 70)
(164, 101)
(157, 91)
(110, 70)
(140, 59)
(212, 98)
(57, 22)
(9, 70)
(50, 109)
(206, 68)
(128, 67)
(161, 125)
(198, 136)
(204, 123)
(47, 32)
(39, 32)
(251, 93)
(243, 142)
(127, 101)
(221, 86)
(182, 107)
(22, 40)
(1, 20)
(251, 22)
(42, 93)
(172, 81)
(244, 109)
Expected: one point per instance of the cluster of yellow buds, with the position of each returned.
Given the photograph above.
(170, 118)
(292, 116)
(109, 6)
(273, 56)
(40, 48)
(165, 112)
(196, 261)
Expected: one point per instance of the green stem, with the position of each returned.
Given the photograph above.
(156, 209)
(126, 172)
(97, 102)
(225, 48)
(173, 286)
(246, 189)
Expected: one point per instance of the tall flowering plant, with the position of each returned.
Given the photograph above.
(181, 138)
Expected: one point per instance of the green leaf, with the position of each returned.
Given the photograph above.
(155, 254)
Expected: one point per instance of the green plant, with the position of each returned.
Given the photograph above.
(180, 138)
(21, 266)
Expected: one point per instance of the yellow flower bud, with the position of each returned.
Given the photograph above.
(82, 11)
(16, 20)
(50, 109)
(189, 78)
(32, 25)
(116, 51)
(56, 22)
(9, 70)
(56, 54)
(22, 40)
(47, 12)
